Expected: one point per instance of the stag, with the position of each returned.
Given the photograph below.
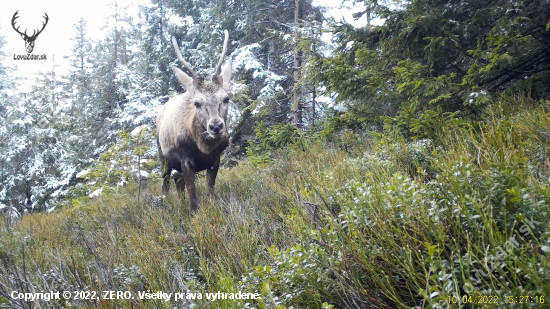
(192, 127)
(29, 40)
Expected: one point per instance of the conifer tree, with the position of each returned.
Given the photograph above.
(446, 55)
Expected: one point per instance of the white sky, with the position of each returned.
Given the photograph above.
(55, 40)
(340, 11)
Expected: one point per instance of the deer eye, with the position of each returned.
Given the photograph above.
(226, 100)
(197, 104)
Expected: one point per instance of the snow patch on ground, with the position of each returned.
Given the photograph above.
(82, 173)
(97, 192)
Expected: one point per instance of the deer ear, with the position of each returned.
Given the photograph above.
(184, 79)
(226, 75)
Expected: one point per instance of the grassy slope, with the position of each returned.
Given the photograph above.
(384, 224)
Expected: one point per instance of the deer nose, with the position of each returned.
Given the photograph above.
(216, 127)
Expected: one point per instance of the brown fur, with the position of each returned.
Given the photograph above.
(191, 138)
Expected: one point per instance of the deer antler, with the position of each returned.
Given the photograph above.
(43, 26)
(13, 24)
(34, 33)
(180, 57)
(222, 57)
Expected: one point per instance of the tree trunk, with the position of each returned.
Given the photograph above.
(296, 104)
(112, 89)
(314, 97)
(162, 67)
(81, 45)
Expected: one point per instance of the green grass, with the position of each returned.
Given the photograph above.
(380, 223)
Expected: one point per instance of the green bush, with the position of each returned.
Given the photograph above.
(120, 164)
(476, 224)
(268, 140)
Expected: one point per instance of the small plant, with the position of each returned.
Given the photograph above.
(280, 136)
(131, 159)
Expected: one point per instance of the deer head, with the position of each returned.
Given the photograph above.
(29, 40)
(209, 98)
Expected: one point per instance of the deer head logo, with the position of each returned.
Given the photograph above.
(29, 40)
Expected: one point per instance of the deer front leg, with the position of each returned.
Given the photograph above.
(180, 184)
(211, 174)
(188, 175)
(165, 173)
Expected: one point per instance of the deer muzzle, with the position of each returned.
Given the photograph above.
(215, 126)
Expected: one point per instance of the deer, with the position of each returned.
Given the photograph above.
(192, 128)
(29, 40)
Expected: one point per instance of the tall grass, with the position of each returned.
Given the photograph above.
(387, 224)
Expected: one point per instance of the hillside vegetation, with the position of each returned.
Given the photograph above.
(353, 220)
(403, 164)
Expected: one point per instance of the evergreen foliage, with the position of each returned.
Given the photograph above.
(455, 55)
